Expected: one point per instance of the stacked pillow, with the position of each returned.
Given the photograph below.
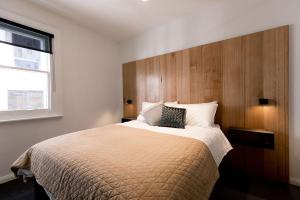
(155, 114)
(151, 112)
(173, 117)
(202, 114)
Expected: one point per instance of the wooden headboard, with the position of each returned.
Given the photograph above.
(235, 72)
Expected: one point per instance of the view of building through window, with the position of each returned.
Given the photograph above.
(24, 74)
(24, 99)
(26, 58)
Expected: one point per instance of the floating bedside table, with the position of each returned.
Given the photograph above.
(127, 119)
(251, 137)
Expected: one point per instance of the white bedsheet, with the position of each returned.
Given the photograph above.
(213, 137)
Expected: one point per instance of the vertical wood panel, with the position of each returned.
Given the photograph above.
(183, 76)
(275, 85)
(282, 57)
(141, 83)
(233, 84)
(206, 73)
(211, 76)
(270, 82)
(252, 62)
(153, 80)
(211, 73)
(169, 78)
(129, 89)
(195, 74)
(148, 78)
(236, 73)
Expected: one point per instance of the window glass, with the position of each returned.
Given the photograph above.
(12, 56)
(25, 99)
(23, 90)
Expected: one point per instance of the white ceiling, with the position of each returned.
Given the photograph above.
(122, 19)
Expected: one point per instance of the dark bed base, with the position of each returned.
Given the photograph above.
(39, 192)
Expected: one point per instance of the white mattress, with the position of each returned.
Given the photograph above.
(213, 137)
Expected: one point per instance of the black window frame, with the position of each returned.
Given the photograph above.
(26, 30)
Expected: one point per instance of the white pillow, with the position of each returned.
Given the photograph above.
(141, 118)
(151, 112)
(152, 115)
(170, 104)
(146, 106)
(199, 114)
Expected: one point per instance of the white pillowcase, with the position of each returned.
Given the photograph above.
(152, 115)
(170, 104)
(146, 106)
(199, 114)
(151, 112)
(149, 105)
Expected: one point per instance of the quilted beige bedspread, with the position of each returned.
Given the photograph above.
(118, 162)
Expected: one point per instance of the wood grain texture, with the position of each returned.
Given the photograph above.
(195, 74)
(233, 85)
(236, 73)
(148, 80)
(275, 87)
(252, 63)
(169, 76)
(183, 76)
(129, 89)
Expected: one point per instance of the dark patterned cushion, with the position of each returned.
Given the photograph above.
(173, 117)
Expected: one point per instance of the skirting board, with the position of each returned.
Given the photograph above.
(7, 177)
(294, 181)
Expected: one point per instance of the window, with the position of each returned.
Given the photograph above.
(25, 69)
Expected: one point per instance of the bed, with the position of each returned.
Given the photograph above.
(131, 160)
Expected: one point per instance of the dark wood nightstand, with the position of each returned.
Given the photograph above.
(251, 137)
(127, 119)
(247, 158)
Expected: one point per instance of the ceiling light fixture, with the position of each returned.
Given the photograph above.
(145, 0)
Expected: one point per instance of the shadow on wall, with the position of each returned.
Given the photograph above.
(106, 117)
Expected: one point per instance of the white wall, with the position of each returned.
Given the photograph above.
(91, 84)
(219, 20)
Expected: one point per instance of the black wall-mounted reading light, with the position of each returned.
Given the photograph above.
(128, 101)
(263, 101)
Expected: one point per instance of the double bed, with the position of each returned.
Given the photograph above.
(132, 160)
